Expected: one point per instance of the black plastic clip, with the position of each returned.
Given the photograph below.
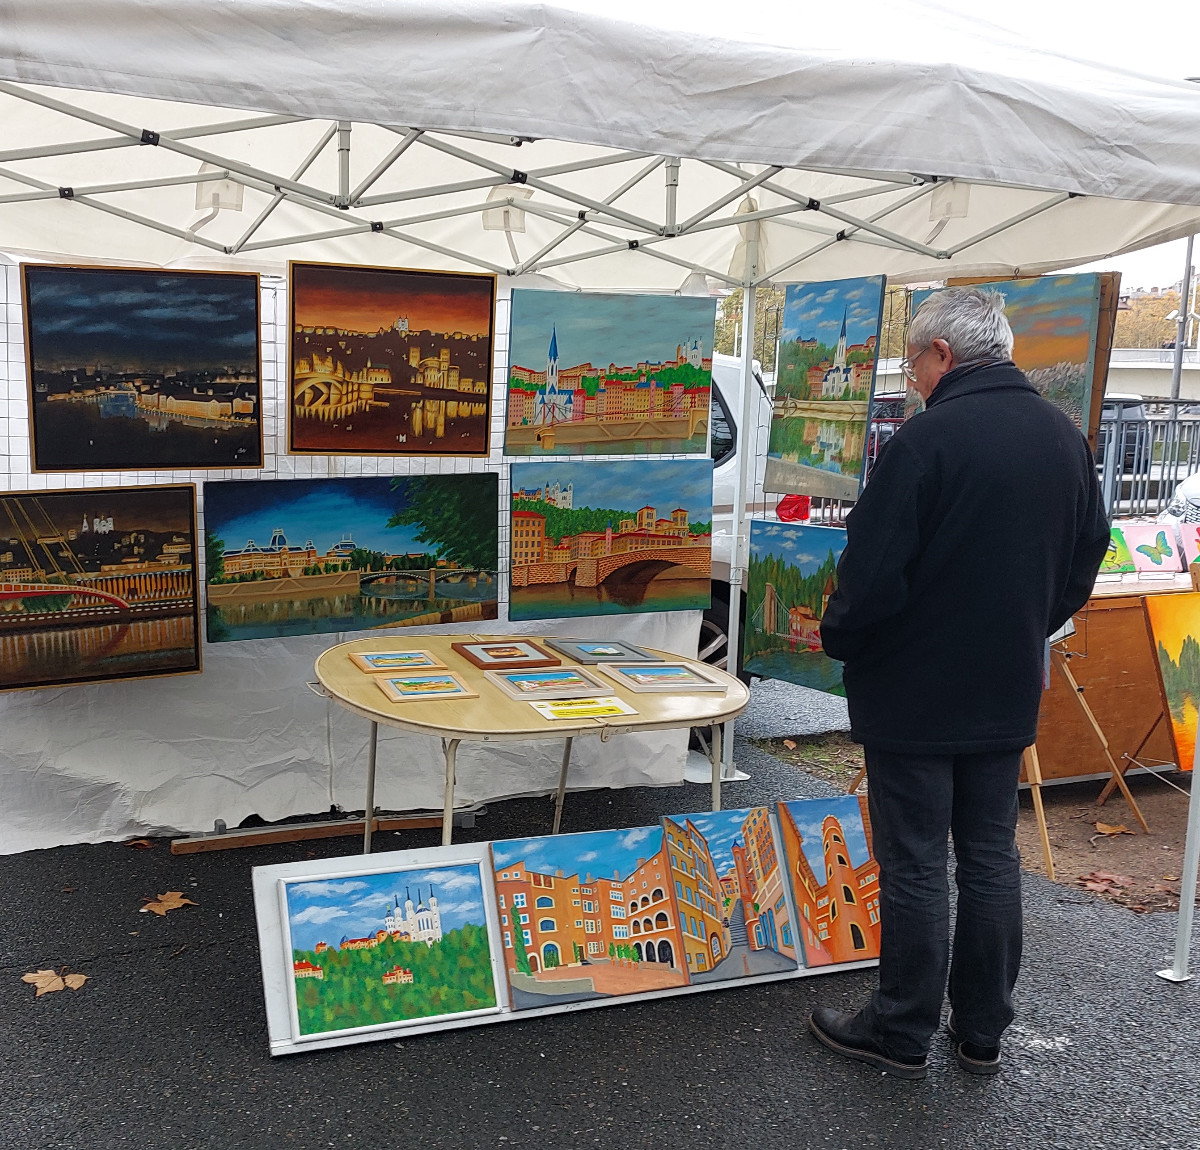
(66, 193)
(813, 205)
(518, 177)
(149, 137)
(633, 245)
(840, 236)
(377, 225)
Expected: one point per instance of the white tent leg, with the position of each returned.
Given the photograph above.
(1178, 971)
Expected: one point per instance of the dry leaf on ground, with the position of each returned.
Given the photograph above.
(50, 981)
(172, 900)
(791, 746)
(140, 844)
(1110, 829)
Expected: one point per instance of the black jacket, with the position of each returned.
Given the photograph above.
(979, 534)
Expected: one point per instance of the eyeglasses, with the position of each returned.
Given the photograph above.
(907, 366)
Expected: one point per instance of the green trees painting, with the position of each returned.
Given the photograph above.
(1181, 681)
(452, 976)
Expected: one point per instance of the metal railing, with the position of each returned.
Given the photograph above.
(1140, 461)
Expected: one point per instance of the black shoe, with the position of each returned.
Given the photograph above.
(845, 1034)
(972, 1057)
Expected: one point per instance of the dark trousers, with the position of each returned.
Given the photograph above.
(916, 802)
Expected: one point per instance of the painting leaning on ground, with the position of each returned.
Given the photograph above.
(791, 575)
(97, 584)
(607, 538)
(400, 946)
(596, 374)
(1174, 622)
(135, 369)
(311, 556)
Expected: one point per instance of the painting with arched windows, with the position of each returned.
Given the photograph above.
(834, 878)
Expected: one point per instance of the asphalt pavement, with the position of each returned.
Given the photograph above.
(166, 1045)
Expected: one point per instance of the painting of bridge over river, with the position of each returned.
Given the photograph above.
(390, 362)
(135, 369)
(610, 538)
(312, 556)
(97, 585)
(595, 374)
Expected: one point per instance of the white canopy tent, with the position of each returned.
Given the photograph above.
(531, 141)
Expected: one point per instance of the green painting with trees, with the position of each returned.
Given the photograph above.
(450, 977)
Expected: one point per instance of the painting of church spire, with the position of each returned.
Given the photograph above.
(630, 374)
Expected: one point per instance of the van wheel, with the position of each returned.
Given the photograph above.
(714, 635)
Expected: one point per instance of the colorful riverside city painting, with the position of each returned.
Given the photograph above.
(142, 370)
(404, 945)
(390, 362)
(1055, 320)
(573, 912)
(593, 374)
(730, 858)
(593, 538)
(792, 573)
(97, 584)
(835, 879)
(1175, 631)
(310, 556)
(827, 356)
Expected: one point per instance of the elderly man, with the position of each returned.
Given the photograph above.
(979, 534)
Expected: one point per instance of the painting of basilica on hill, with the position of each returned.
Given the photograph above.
(593, 915)
(791, 575)
(596, 374)
(827, 358)
(834, 877)
(606, 538)
(405, 945)
(389, 362)
(730, 888)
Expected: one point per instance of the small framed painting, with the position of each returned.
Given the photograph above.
(604, 707)
(376, 661)
(505, 653)
(602, 651)
(665, 678)
(567, 683)
(419, 687)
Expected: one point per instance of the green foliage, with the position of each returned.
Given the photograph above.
(214, 557)
(552, 960)
(792, 589)
(1181, 680)
(453, 975)
(450, 514)
(518, 937)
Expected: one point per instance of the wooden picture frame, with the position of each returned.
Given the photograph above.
(553, 683)
(663, 678)
(335, 371)
(377, 662)
(110, 573)
(137, 412)
(591, 651)
(424, 687)
(487, 654)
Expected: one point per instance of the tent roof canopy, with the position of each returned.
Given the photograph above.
(596, 152)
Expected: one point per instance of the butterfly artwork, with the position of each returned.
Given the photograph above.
(1117, 559)
(1152, 548)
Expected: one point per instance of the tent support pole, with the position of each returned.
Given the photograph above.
(410, 138)
(744, 187)
(741, 487)
(1011, 222)
(1178, 971)
(1185, 299)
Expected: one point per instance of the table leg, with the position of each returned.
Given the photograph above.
(369, 805)
(716, 764)
(562, 785)
(450, 747)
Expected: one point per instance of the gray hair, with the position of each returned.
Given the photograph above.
(971, 321)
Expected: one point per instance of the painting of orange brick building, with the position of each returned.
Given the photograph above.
(835, 879)
(588, 916)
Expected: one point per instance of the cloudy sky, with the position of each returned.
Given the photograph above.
(720, 830)
(798, 545)
(602, 329)
(606, 854)
(815, 311)
(626, 485)
(334, 909)
(810, 813)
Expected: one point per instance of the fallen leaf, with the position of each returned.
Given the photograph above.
(1171, 877)
(140, 844)
(1110, 829)
(50, 981)
(75, 981)
(68, 889)
(791, 746)
(162, 903)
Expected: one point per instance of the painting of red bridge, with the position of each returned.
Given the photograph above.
(97, 584)
(610, 538)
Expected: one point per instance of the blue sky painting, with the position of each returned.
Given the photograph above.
(627, 485)
(602, 854)
(809, 815)
(332, 909)
(815, 311)
(721, 829)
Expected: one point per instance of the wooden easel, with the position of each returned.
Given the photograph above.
(1033, 776)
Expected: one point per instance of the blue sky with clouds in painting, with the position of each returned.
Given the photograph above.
(626, 485)
(811, 813)
(721, 829)
(815, 311)
(333, 909)
(798, 545)
(602, 329)
(605, 854)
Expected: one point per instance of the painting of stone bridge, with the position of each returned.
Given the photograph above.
(592, 538)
